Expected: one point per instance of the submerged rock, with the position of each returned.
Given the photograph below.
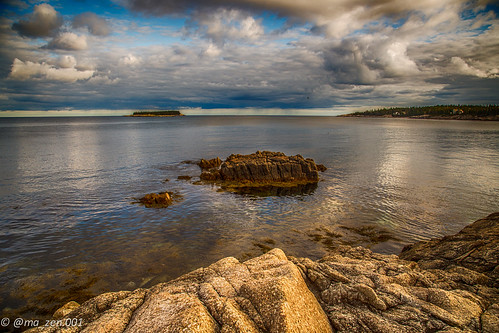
(156, 200)
(350, 290)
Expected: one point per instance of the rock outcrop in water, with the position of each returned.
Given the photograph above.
(210, 164)
(156, 200)
(249, 173)
(350, 290)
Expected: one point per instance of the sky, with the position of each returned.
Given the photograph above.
(267, 56)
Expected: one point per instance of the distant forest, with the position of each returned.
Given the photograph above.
(461, 111)
(157, 113)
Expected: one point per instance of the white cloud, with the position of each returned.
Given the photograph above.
(67, 61)
(130, 60)
(27, 70)
(227, 25)
(464, 68)
(212, 51)
(68, 41)
(396, 60)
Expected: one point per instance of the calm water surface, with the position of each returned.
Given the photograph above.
(69, 230)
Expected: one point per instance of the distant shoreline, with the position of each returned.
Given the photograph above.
(450, 117)
(438, 112)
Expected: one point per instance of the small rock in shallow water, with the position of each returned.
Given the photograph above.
(156, 200)
(321, 167)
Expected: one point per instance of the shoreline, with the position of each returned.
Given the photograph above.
(424, 117)
(448, 283)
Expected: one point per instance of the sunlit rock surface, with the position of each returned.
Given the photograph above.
(350, 290)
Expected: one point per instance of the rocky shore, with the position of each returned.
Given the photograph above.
(447, 284)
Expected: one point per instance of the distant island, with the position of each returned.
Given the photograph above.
(156, 113)
(457, 112)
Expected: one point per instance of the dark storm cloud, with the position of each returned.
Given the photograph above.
(96, 25)
(43, 22)
(305, 9)
(343, 56)
(332, 17)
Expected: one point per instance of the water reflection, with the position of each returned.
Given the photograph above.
(68, 230)
(272, 190)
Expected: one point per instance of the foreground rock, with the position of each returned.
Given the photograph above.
(351, 290)
(265, 294)
(268, 169)
(476, 247)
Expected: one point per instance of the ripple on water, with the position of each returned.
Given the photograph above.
(68, 229)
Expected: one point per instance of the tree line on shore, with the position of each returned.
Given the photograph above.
(435, 110)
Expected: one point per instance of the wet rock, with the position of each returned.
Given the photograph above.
(210, 164)
(264, 173)
(156, 200)
(268, 167)
(212, 175)
(184, 177)
(350, 290)
(321, 167)
(476, 247)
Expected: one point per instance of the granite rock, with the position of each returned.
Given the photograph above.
(350, 290)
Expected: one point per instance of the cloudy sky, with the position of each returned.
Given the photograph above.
(258, 54)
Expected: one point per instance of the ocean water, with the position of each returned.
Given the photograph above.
(69, 228)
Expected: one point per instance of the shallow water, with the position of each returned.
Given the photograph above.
(68, 229)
